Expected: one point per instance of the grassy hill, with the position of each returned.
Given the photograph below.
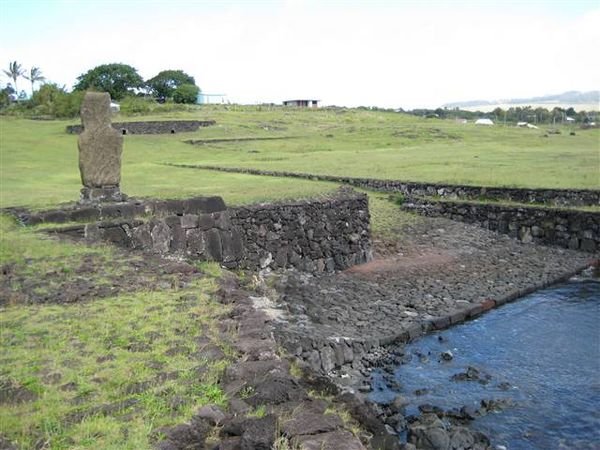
(39, 160)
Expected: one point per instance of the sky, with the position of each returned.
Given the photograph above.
(407, 54)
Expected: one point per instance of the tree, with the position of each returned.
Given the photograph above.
(35, 75)
(15, 71)
(54, 100)
(186, 93)
(164, 84)
(6, 96)
(118, 80)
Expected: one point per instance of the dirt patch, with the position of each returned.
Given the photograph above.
(91, 277)
(240, 139)
(403, 264)
(12, 393)
(425, 134)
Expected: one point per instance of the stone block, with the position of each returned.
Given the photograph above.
(525, 235)
(222, 220)
(338, 353)
(441, 323)
(84, 215)
(178, 241)
(458, 316)
(117, 236)
(189, 221)
(195, 243)
(173, 221)
(537, 231)
(55, 217)
(281, 257)
(203, 205)
(335, 440)
(214, 247)
(161, 238)
(92, 232)
(327, 359)
(233, 249)
(588, 245)
(141, 237)
(206, 222)
(475, 311)
(574, 243)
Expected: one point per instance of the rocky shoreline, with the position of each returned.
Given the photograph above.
(437, 274)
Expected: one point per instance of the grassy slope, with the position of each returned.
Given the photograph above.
(39, 161)
(389, 145)
(78, 357)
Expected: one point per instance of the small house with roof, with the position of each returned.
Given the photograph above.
(302, 103)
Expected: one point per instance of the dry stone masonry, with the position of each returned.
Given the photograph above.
(153, 127)
(323, 235)
(556, 197)
(315, 236)
(576, 230)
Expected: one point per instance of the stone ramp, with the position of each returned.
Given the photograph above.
(442, 272)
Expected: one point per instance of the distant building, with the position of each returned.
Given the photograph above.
(301, 103)
(484, 122)
(205, 99)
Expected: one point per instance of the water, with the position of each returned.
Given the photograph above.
(542, 352)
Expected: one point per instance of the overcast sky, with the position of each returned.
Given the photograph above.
(386, 53)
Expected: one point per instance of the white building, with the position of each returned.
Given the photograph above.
(302, 103)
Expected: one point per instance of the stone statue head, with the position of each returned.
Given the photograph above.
(95, 110)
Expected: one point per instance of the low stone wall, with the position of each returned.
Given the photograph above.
(156, 127)
(556, 197)
(577, 230)
(204, 236)
(315, 236)
(123, 210)
(321, 235)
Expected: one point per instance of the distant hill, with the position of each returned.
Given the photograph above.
(579, 100)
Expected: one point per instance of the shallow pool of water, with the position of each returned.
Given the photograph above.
(542, 352)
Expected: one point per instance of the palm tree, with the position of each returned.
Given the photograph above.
(35, 74)
(14, 71)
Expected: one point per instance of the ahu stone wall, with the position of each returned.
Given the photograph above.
(323, 235)
(153, 127)
(574, 229)
(315, 236)
(553, 197)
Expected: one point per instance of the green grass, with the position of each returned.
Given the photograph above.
(38, 160)
(101, 371)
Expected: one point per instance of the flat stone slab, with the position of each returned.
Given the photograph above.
(335, 440)
(306, 422)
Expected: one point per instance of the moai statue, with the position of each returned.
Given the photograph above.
(100, 148)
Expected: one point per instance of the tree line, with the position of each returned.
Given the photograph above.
(513, 115)
(121, 81)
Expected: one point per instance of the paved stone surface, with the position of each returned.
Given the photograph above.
(439, 272)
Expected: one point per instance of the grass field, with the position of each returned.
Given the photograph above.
(39, 160)
(102, 373)
(78, 373)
